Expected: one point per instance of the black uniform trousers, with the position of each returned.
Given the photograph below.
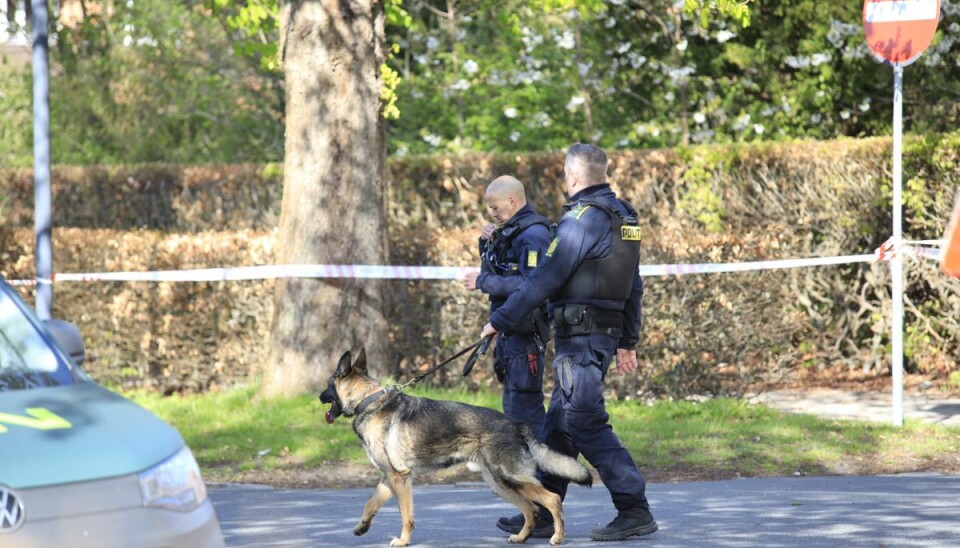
(577, 420)
(522, 390)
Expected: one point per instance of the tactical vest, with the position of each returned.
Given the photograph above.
(493, 259)
(610, 277)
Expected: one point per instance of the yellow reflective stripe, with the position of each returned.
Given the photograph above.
(39, 419)
(577, 212)
(532, 258)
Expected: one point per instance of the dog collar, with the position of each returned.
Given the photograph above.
(368, 401)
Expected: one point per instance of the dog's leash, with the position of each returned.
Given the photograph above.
(479, 349)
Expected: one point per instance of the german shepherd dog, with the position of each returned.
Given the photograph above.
(404, 434)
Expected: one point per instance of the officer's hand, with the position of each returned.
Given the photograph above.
(488, 330)
(487, 231)
(626, 360)
(470, 280)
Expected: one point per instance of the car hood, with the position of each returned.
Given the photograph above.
(83, 432)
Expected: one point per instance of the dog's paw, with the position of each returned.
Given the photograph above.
(361, 528)
(556, 540)
(398, 542)
(516, 539)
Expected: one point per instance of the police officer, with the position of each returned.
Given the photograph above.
(509, 253)
(590, 275)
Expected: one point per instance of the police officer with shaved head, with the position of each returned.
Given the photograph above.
(510, 250)
(589, 273)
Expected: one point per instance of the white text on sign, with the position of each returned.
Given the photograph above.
(894, 12)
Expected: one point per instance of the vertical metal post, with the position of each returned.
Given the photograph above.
(896, 264)
(43, 219)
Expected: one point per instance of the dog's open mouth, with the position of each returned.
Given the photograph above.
(330, 396)
(333, 412)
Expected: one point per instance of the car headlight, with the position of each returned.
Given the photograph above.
(174, 484)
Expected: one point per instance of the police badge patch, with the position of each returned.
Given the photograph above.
(631, 233)
(553, 246)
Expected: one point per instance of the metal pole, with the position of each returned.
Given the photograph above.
(896, 264)
(41, 160)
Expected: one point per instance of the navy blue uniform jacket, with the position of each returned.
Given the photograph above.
(526, 250)
(578, 238)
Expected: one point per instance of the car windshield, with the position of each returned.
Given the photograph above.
(27, 359)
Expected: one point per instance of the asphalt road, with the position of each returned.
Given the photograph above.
(915, 510)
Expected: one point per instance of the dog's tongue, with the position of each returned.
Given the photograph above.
(329, 415)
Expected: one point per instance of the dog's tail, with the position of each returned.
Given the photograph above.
(558, 464)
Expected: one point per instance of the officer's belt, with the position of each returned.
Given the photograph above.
(525, 327)
(583, 319)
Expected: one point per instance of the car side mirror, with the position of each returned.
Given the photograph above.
(68, 337)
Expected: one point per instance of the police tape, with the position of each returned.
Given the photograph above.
(392, 272)
(262, 272)
(931, 253)
(716, 268)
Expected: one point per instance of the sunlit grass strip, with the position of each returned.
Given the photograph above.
(239, 430)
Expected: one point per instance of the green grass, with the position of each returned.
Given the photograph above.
(234, 428)
(236, 431)
(723, 438)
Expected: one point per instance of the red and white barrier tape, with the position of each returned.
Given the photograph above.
(269, 271)
(931, 253)
(888, 249)
(715, 268)
(416, 272)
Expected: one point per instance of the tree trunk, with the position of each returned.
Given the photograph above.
(333, 209)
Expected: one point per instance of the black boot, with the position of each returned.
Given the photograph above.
(542, 525)
(635, 522)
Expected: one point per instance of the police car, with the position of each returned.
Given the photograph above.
(81, 465)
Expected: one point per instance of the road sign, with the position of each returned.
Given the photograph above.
(950, 248)
(897, 31)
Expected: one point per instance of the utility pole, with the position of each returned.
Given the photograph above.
(42, 210)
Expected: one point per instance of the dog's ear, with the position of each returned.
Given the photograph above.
(360, 366)
(343, 365)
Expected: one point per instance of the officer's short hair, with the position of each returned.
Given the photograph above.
(588, 161)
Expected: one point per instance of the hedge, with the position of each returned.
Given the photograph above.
(703, 334)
